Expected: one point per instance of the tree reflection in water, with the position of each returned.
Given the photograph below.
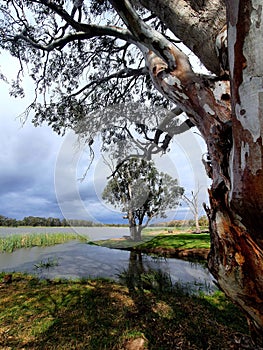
(143, 275)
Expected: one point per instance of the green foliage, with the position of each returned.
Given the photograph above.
(138, 188)
(153, 280)
(35, 35)
(5, 221)
(42, 221)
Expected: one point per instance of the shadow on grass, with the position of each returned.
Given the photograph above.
(178, 241)
(100, 314)
(177, 318)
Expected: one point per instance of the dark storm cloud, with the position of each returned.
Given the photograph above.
(27, 162)
(11, 182)
(40, 172)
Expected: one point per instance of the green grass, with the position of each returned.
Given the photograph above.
(162, 240)
(100, 314)
(10, 243)
(121, 243)
(179, 241)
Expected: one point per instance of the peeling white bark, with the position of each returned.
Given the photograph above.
(208, 109)
(221, 87)
(172, 80)
(252, 46)
(196, 23)
(220, 39)
(247, 112)
(246, 68)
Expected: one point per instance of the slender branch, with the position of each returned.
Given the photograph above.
(83, 30)
(192, 203)
(90, 32)
(164, 125)
(123, 73)
(120, 164)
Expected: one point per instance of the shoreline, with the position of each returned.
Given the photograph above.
(180, 251)
(192, 253)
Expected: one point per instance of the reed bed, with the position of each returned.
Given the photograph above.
(10, 243)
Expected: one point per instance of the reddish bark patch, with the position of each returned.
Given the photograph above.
(239, 16)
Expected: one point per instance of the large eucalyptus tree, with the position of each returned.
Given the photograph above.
(142, 193)
(92, 54)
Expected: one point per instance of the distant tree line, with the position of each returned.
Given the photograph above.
(56, 222)
(42, 221)
(203, 221)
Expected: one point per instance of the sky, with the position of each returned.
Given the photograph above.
(40, 171)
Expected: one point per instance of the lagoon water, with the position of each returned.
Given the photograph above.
(78, 260)
(93, 233)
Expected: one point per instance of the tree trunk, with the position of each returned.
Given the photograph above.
(196, 23)
(132, 225)
(234, 145)
(138, 237)
(197, 226)
(236, 257)
(135, 230)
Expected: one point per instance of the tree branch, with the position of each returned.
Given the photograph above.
(150, 38)
(90, 32)
(171, 129)
(195, 23)
(83, 30)
(123, 73)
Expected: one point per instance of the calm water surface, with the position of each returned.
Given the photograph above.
(77, 260)
(94, 233)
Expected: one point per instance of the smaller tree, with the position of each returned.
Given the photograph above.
(193, 204)
(139, 190)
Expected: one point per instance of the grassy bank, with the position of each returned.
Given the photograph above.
(99, 314)
(164, 243)
(10, 243)
(179, 241)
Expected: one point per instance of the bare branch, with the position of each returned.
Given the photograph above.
(123, 73)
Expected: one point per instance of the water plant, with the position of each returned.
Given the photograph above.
(46, 264)
(10, 243)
